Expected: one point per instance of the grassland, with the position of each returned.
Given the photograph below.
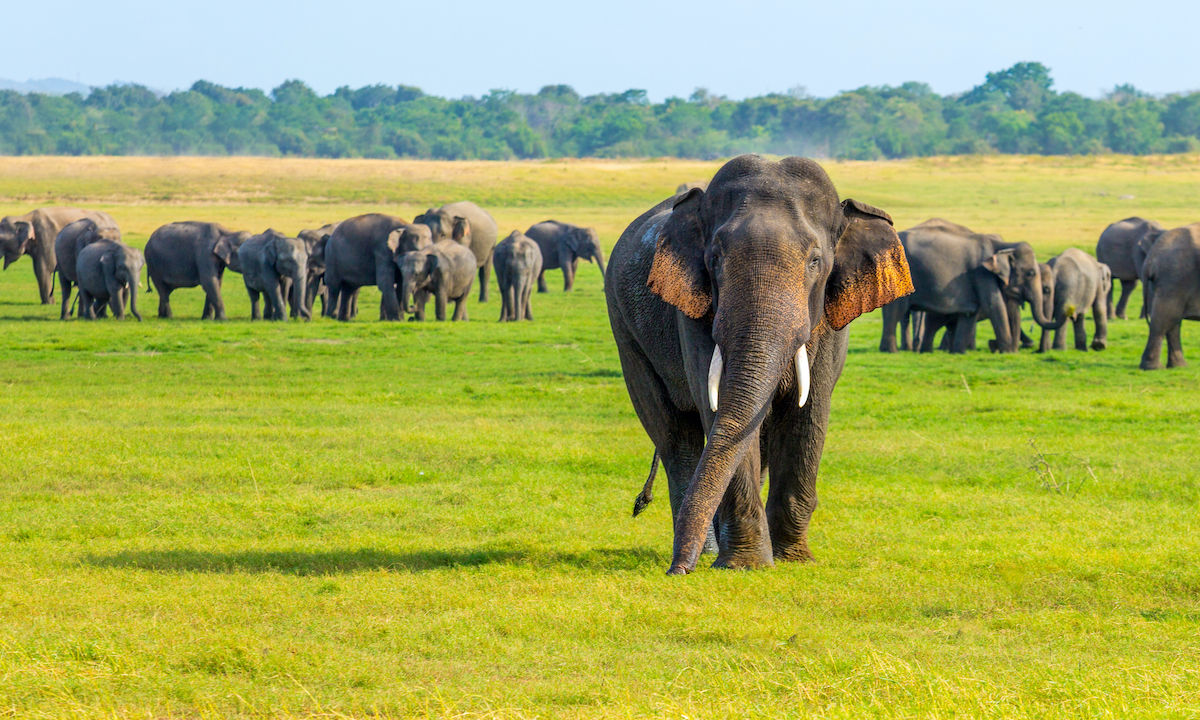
(396, 520)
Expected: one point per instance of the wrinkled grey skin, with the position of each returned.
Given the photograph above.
(1115, 248)
(962, 274)
(70, 240)
(362, 251)
(518, 262)
(764, 261)
(1072, 283)
(314, 244)
(108, 272)
(191, 253)
(562, 246)
(275, 267)
(484, 232)
(34, 233)
(1172, 274)
(444, 270)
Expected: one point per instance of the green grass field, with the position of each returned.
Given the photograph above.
(393, 520)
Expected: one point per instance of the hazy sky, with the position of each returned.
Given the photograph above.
(732, 48)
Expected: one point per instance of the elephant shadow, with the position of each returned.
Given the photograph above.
(344, 562)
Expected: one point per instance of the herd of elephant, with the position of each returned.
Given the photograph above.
(961, 277)
(438, 255)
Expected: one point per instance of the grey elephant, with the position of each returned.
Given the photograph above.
(275, 267)
(70, 240)
(729, 307)
(444, 270)
(34, 233)
(484, 232)
(562, 246)
(1115, 248)
(314, 244)
(1172, 274)
(190, 253)
(518, 263)
(960, 275)
(107, 272)
(1072, 283)
(362, 251)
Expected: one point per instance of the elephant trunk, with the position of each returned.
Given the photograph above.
(405, 292)
(755, 346)
(1037, 305)
(133, 293)
(299, 294)
(599, 256)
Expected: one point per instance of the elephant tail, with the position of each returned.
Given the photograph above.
(647, 494)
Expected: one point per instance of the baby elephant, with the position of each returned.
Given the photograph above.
(107, 272)
(71, 239)
(518, 263)
(276, 267)
(445, 269)
(1071, 283)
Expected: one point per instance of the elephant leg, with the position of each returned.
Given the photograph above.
(460, 309)
(117, 304)
(743, 536)
(214, 307)
(86, 311)
(1044, 342)
(678, 435)
(947, 343)
(1013, 309)
(569, 269)
(1111, 307)
(1078, 325)
(66, 296)
(541, 282)
(1175, 345)
(485, 274)
(1127, 287)
(1160, 324)
(508, 300)
(255, 313)
(1060, 339)
(164, 299)
(932, 325)
(887, 339)
(385, 280)
(439, 304)
(964, 331)
(1099, 323)
(526, 296)
(1026, 341)
(45, 279)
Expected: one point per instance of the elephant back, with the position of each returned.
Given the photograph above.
(484, 230)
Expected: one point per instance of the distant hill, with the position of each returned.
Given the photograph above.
(46, 86)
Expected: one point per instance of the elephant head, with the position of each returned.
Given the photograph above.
(226, 247)
(1018, 271)
(122, 267)
(417, 269)
(439, 222)
(14, 239)
(288, 257)
(585, 243)
(1047, 279)
(413, 237)
(768, 259)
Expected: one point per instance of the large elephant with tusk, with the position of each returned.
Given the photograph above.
(729, 306)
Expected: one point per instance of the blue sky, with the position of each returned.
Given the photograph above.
(732, 48)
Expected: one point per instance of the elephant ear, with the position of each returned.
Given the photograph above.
(1147, 241)
(273, 248)
(461, 232)
(870, 269)
(224, 249)
(24, 236)
(678, 274)
(1000, 265)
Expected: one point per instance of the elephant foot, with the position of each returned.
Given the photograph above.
(742, 561)
(1176, 362)
(1026, 344)
(678, 570)
(793, 552)
(1098, 344)
(1150, 365)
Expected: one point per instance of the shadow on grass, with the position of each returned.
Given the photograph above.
(302, 562)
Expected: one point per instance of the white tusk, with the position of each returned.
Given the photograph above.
(715, 368)
(801, 373)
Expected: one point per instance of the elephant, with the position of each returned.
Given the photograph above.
(684, 187)
(1072, 282)
(1115, 248)
(518, 261)
(444, 269)
(34, 234)
(729, 307)
(964, 275)
(276, 267)
(484, 232)
(1172, 275)
(107, 271)
(362, 251)
(70, 240)
(190, 253)
(562, 245)
(314, 244)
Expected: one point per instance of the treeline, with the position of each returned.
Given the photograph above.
(1013, 111)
